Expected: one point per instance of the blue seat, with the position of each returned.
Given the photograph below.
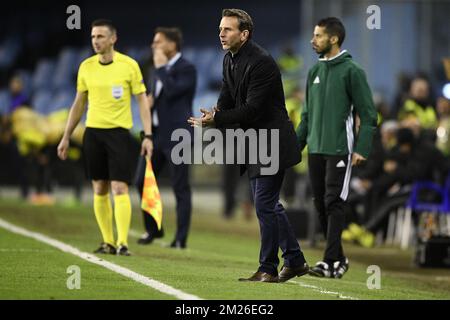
(43, 75)
(203, 60)
(5, 101)
(215, 68)
(83, 54)
(133, 52)
(140, 54)
(189, 53)
(41, 101)
(416, 205)
(441, 207)
(62, 100)
(65, 69)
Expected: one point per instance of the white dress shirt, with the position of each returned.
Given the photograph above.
(159, 85)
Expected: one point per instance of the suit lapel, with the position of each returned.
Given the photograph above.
(175, 65)
(241, 67)
(229, 75)
(240, 71)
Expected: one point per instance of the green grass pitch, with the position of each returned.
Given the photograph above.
(219, 252)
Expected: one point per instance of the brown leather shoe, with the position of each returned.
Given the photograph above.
(262, 277)
(287, 273)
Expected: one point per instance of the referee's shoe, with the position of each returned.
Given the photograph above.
(123, 251)
(106, 248)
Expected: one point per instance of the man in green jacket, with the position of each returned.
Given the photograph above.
(337, 92)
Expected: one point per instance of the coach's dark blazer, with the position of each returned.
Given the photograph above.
(255, 99)
(174, 102)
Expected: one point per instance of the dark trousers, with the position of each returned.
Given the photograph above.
(180, 185)
(330, 177)
(276, 231)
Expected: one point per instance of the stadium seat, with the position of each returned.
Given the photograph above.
(41, 101)
(140, 54)
(5, 101)
(216, 68)
(62, 100)
(65, 70)
(43, 75)
(189, 54)
(83, 54)
(204, 59)
(404, 222)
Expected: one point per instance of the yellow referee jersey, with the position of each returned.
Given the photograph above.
(109, 88)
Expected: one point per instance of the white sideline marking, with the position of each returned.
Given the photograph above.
(324, 291)
(161, 287)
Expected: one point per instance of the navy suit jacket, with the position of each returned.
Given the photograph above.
(174, 103)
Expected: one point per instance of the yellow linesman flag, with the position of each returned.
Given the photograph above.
(151, 199)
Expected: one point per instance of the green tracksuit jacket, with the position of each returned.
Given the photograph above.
(336, 90)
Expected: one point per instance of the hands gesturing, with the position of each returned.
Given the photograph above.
(206, 120)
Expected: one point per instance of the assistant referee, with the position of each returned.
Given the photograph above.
(106, 82)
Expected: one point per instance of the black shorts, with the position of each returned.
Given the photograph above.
(108, 154)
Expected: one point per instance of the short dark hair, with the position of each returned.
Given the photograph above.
(173, 34)
(104, 23)
(333, 27)
(244, 19)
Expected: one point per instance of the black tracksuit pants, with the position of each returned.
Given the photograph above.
(330, 179)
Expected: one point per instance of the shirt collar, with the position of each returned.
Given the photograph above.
(173, 60)
(240, 52)
(332, 58)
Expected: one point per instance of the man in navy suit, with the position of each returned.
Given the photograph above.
(252, 97)
(172, 93)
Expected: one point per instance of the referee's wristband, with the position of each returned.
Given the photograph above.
(146, 136)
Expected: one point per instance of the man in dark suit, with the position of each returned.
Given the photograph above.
(252, 96)
(172, 93)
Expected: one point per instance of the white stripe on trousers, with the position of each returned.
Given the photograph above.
(348, 171)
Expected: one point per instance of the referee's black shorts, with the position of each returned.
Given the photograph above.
(108, 154)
